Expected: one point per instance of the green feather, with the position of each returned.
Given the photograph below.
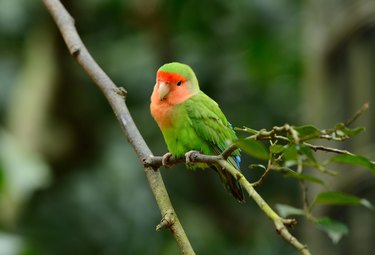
(199, 124)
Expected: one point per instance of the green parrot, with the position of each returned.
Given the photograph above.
(191, 121)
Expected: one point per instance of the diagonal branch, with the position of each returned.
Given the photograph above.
(357, 114)
(280, 223)
(115, 97)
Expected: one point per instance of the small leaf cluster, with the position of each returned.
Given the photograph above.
(289, 150)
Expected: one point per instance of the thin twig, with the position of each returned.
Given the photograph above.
(307, 207)
(264, 175)
(364, 108)
(327, 149)
(115, 97)
(226, 153)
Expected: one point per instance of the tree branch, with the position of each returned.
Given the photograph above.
(327, 149)
(115, 97)
(358, 113)
(280, 223)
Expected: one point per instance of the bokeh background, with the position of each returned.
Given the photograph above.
(71, 184)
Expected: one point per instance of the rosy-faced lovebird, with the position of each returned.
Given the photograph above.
(192, 121)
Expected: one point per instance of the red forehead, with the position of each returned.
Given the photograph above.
(170, 77)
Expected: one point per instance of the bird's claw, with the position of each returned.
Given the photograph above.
(189, 156)
(165, 160)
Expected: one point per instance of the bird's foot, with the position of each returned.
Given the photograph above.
(189, 156)
(165, 160)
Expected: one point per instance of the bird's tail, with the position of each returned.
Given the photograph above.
(231, 184)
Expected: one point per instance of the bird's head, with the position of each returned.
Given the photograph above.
(175, 82)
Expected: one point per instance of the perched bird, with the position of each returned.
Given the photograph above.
(192, 121)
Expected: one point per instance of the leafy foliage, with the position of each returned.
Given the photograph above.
(287, 210)
(355, 160)
(333, 228)
(303, 177)
(337, 198)
(306, 133)
(253, 148)
(290, 151)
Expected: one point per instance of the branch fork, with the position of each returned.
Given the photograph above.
(167, 221)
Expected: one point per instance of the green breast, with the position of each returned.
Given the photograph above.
(181, 137)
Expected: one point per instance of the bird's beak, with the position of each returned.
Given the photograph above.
(163, 90)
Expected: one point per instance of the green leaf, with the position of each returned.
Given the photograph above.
(308, 132)
(354, 131)
(303, 177)
(307, 152)
(247, 130)
(277, 148)
(354, 160)
(253, 148)
(290, 153)
(290, 156)
(257, 166)
(287, 210)
(335, 229)
(337, 198)
(348, 131)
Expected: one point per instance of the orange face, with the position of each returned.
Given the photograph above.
(170, 90)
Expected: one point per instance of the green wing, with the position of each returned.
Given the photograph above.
(211, 125)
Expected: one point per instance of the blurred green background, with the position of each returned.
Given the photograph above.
(71, 184)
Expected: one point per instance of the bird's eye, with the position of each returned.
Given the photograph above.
(179, 83)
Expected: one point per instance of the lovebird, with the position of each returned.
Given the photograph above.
(191, 121)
